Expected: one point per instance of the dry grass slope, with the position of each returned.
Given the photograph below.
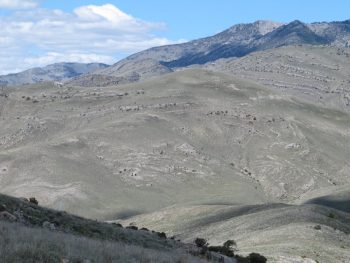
(20, 244)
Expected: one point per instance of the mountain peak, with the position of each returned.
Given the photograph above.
(296, 24)
(296, 32)
(260, 27)
(266, 26)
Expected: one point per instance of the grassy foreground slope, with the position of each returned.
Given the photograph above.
(30, 233)
(20, 244)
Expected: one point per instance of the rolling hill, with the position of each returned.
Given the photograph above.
(187, 141)
(54, 72)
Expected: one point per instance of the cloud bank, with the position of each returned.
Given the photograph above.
(34, 37)
(17, 4)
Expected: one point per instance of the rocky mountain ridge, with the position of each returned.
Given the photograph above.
(237, 41)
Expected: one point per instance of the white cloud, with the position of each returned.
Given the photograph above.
(36, 37)
(108, 12)
(17, 4)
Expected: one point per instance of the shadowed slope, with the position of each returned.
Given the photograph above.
(283, 233)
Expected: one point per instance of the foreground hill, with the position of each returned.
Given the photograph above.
(30, 233)
(237, 41)
(54, 72)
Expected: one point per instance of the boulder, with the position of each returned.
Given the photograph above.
(4, 215)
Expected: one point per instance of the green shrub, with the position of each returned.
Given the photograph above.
(257, 258)
(33, 200)
(252, 258)
(200, 242)
(222, 250)
(331, 215)
(161, 235)
(132, 227)
(229, 244)
(226, 249)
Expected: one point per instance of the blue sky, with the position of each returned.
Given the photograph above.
(191, 19)
(41, 32)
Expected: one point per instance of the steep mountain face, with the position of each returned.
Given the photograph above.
(234, 42)
(238, 35)
(264, 35)
(294, 33)
(237, 41)
(54, 72)
(337, 33)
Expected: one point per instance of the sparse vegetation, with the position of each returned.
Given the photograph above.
(33, 215)
(331, 215)
(226, 249)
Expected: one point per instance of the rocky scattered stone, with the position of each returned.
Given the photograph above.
(317, 227)
(49, 225)
(4, 215)
(2, 208)
(20, 216)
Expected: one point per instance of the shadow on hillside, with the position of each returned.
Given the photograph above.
(123, 215)
(339, 204)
